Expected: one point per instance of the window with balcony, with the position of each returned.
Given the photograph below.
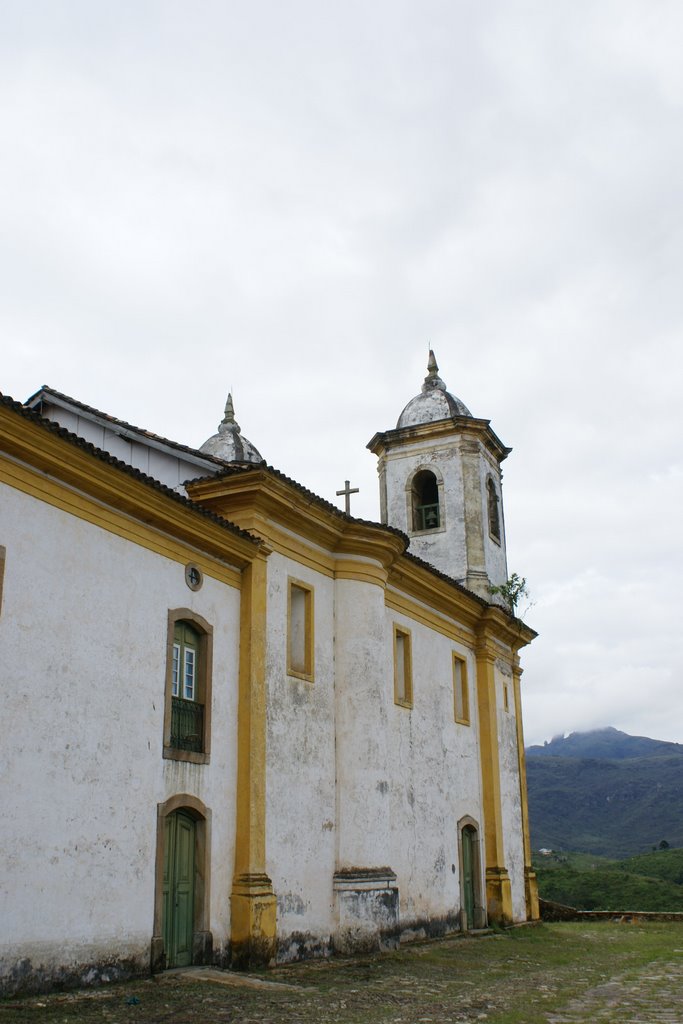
(188, 688)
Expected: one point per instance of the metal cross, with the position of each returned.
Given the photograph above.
(347, 492)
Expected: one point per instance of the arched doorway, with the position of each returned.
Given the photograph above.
(472, 911)
(182, 933)
(179, 889)
(468, 836)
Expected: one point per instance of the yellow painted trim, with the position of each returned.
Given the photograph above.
(284, 543)
(243, 497)
(306, 531)
(251, 744)
(499, 893)
(399, 603)
(307, 554)
(407, 700)
(511, 634)
(308, 672)
(362, 572)
(253, 905)
(440, 597)
(61, 496)
(463, 719)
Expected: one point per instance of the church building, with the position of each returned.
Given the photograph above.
(241, 726)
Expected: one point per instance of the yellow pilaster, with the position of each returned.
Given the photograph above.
(253, 904)
(498, 890)
(530, 883)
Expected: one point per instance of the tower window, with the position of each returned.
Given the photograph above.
(494, 513)
(425, 501)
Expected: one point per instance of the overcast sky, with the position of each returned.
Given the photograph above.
(293, 200)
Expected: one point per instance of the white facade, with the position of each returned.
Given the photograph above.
(83, 639)
(358, 777)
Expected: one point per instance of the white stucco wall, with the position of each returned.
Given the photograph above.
(364, 802)
(434, 774)
(404, 778)
(83, 634)
(300, 778)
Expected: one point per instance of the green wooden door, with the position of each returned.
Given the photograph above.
(468, 873)
(178, 923)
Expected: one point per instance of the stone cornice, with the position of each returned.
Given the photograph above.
(419, 582)
(463, 426)
(497, 624)
(263, 494)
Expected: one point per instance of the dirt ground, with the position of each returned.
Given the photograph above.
(547, 974)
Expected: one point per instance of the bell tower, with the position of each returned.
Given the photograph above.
(440, 483)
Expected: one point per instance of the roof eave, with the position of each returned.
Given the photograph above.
(123, 429)
(43, 444)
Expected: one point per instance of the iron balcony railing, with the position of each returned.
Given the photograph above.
(187, 724)
(427, 517)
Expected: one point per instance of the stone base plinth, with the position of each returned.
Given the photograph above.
(367, 910)
(253, 917)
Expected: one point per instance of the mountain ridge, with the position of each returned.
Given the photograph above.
(606, 793)
(606, 743)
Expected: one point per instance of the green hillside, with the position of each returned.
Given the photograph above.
(666, 864)
(651, 882)
(612, 806)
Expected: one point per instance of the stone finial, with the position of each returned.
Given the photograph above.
(228, 443)
(432, 380)
(229, 417)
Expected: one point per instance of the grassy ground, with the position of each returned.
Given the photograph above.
(533, 975)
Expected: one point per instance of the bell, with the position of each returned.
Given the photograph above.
(431, 518)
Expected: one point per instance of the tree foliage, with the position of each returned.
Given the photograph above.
(651, 882)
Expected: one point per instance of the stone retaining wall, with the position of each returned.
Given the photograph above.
(558, 912)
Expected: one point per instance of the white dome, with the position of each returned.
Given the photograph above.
(228, 444)
(433, 403)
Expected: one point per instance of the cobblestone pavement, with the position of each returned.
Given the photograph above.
(653, 995)
(569, 973)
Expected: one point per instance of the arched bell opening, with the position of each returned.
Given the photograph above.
(426, 504)
(493, 510)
